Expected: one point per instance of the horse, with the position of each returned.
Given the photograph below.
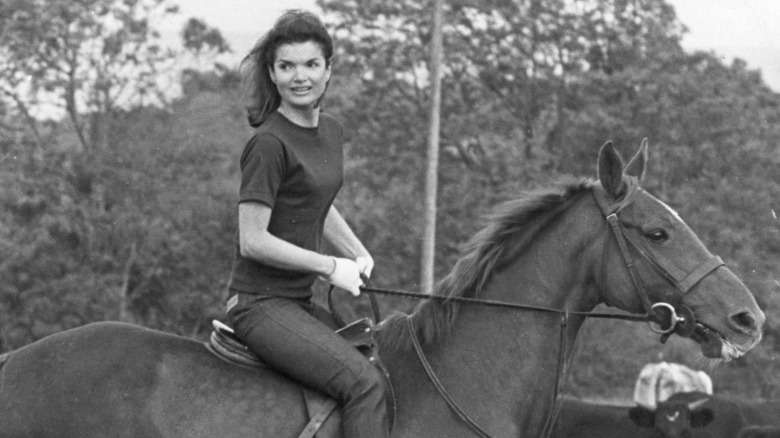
(455, 369)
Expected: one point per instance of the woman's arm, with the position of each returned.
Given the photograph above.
(338, 233)
(256, 243)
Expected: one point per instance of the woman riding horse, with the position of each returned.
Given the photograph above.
(291, 171)
(456, 369)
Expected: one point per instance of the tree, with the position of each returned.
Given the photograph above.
(92, 231)
(198, 37)
(87, 58)
(510, 78)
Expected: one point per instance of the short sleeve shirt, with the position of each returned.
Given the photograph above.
(296, 171)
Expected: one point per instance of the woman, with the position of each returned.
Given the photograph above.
(291, 171)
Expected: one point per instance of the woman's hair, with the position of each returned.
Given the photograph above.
(295, 26)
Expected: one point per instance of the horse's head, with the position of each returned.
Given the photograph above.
(651, 256)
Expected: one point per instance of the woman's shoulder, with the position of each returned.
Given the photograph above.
(262, 143)
(264, 139)
(274, 123)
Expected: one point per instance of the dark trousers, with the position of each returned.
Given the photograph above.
(286, 334)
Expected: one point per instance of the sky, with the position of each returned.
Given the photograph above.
(744, 29)
(729, 28)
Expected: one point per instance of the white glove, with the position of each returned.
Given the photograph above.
(365, 265)
(346, 275)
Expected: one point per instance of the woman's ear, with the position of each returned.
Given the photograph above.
(327, 71)
(271, 73)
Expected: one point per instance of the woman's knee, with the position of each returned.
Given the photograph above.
(370, 380)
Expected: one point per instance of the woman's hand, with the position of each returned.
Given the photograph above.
(366, 266)
(338, 233)
(345, 275)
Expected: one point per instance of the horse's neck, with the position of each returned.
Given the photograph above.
(514, 354)
(503, 363)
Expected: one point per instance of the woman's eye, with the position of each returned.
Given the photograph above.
(657, 235)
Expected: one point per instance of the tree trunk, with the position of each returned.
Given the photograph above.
(124, 292)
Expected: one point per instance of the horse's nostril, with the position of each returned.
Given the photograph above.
(744, 320)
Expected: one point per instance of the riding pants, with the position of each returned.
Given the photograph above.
(291, 336)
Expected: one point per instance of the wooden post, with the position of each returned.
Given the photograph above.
(432, 163)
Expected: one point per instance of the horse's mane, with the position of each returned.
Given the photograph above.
(487, 250)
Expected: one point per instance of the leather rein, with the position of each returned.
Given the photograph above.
(664, 314)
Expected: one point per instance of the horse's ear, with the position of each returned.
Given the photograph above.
(638, 164)
(610, 170)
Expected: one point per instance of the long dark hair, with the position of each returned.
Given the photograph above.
(295, 26)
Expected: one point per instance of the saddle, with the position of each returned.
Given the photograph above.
(224, 344)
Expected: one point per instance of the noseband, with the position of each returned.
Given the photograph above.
(663, 317)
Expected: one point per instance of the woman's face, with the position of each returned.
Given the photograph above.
(300, 73)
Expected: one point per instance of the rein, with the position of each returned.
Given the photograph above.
(502, 304)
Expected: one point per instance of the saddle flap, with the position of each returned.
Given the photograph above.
(359, 333)
(224, 344)
(224, 330)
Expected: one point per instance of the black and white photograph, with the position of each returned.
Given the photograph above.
(389, 219)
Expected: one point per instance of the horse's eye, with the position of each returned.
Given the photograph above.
(657, 235)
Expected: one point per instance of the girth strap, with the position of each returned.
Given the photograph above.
(437, 383)
(316, 421)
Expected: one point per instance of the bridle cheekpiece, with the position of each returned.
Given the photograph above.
(663, 317)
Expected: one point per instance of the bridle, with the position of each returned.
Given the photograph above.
(669, 318)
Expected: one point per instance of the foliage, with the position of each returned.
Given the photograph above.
(199, 37)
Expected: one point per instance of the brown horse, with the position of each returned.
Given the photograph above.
(593, 242)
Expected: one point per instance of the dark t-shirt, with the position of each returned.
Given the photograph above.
(297, 172)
